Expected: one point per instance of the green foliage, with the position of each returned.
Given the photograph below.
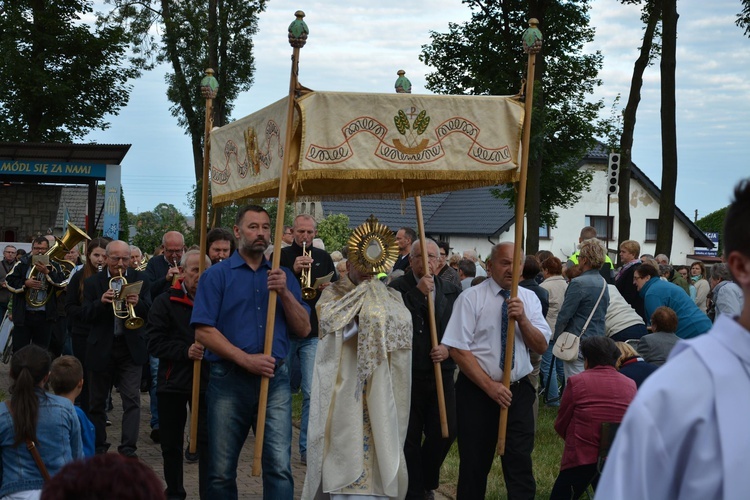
(190, 36)
(151, 226)
(714, 223)
(484, 57)
(124, 226)
(60, 76)
(334, 231)
(743, 18)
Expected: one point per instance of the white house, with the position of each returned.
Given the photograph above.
(475, 219)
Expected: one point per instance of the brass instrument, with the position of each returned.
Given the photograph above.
(308, 292)
(175, 277)
(72, 237)
(121, 308)
(144, 262)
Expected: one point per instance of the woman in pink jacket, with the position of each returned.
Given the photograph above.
(599, 394)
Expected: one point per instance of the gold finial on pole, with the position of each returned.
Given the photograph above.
(532, 44)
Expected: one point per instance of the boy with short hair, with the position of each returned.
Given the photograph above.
(66, 380)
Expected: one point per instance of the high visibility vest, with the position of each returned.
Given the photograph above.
(574, 259)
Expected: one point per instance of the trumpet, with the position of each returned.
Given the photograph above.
(175, 277)
(308, 292)
(121, 308)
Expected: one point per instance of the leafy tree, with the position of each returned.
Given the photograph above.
(714, 223)
(650, 15)
(124, 226)
(484, 56)
(195, 35)
(743, 18)
(60, 76)
(334, 231)
(151, 226)
(664, 233)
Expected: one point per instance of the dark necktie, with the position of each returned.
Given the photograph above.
(504, 336)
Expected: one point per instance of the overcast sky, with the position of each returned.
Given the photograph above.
(359, 45)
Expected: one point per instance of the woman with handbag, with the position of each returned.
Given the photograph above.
(39, 432)
(584, 309)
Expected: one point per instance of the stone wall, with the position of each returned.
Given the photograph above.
(28, 209)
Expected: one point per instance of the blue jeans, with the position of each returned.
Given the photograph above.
(154, 366)
(548, 358)
(232, 398)
(305, 350)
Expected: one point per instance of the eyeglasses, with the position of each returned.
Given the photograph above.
(39, 249)
(173, 251)
(118, 259)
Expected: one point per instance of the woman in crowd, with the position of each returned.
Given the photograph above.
(700, 281)
(655, 347)
(34, 419)
(657, 292)
(599, 394)
(622, 322)
(555, 285)
(586, 300)
(632, 365)
(726, 295)
(629, 251)
(96, 257)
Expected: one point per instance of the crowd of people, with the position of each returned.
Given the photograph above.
(392, 368)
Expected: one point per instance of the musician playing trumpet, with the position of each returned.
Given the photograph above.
(308, 264)
(113, 349)
(164, 270)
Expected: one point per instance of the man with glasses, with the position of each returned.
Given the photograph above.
(163, 270)
(443, 269)
(114, 352)
(6, 265)
(425, 447)
(33, 324)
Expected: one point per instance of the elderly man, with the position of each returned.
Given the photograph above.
(164, 269)
(34, 321)
(472, 256)
(443, 269)
(114, 351)
(360, 395)
(477, 337)
(171, 339)
(685, 435)
(318, 264)
(229, 317)
(136, 257)
(425, 447)
(726, 295)
(6, 265)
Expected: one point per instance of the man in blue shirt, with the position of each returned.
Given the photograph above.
(229, 317)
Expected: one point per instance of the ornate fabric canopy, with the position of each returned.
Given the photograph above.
(356, 145)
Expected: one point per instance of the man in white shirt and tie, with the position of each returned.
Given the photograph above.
(476, 333)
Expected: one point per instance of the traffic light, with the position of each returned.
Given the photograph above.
(613, 174)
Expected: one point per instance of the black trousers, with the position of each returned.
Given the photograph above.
(35, 330)
(478, 418)
(173, 413)
(572, 482)
(424, 457)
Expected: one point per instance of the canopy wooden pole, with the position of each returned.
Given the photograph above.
(532, 43)
(431, 313)
(209, 88)
(297, 38)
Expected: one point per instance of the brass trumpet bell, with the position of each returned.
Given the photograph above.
(308, 292)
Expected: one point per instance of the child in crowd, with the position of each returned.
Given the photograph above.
(66, 380)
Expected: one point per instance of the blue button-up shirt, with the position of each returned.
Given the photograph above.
(233, 298)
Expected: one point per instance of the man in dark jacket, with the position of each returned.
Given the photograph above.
(172, 340)
(424, 457)
(319, 264)
(114, 350)
(33, 322)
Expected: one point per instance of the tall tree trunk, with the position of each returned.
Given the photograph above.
(628, 121)
(537, 9)
(668, 129)
(34, 114)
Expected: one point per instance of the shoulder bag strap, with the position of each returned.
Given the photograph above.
(601, 294)
(37, 458)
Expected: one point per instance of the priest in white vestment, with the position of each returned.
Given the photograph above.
(359, 408)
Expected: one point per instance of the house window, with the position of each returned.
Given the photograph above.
(312, 209)
(303, 208)
(599, 222)
(651, 227)
(544, 232)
